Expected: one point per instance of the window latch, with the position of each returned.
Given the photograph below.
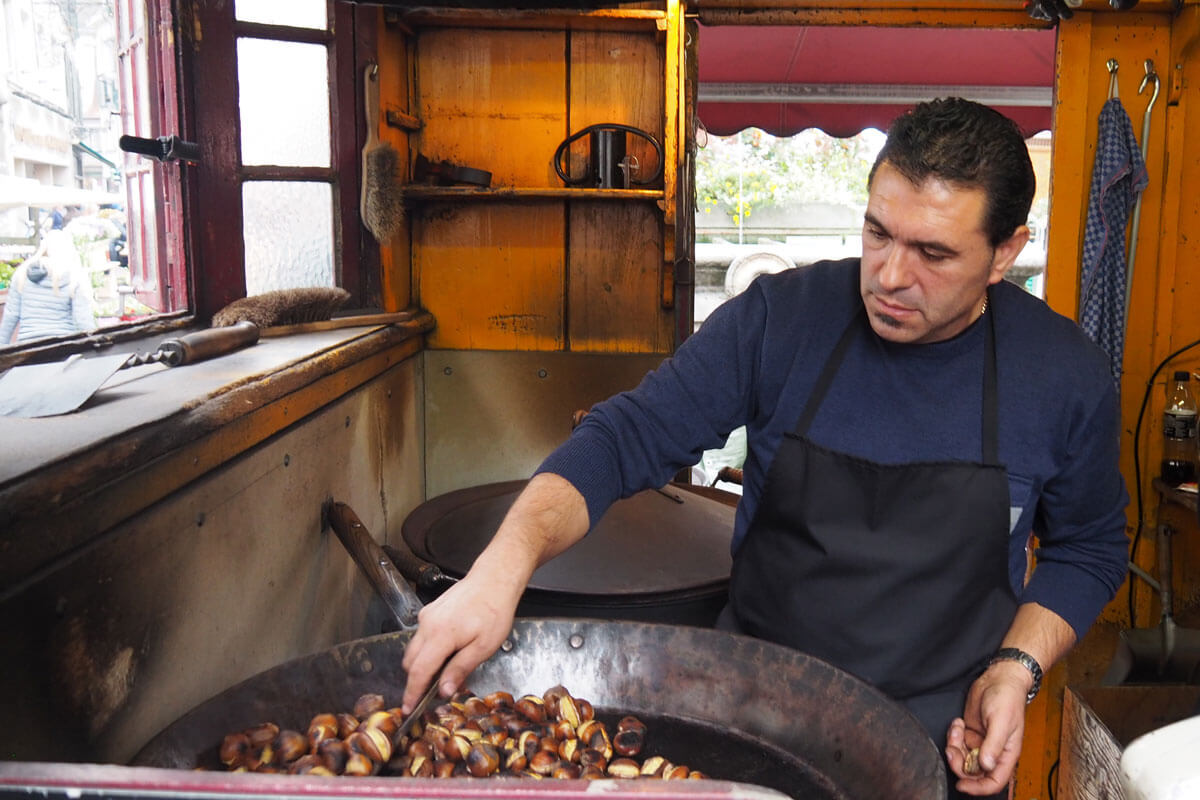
(164, 148)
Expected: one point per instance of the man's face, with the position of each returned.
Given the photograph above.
(926, 261)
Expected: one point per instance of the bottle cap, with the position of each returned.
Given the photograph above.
(1182, 375)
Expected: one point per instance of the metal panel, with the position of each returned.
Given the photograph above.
(224, 578)
(493, 416)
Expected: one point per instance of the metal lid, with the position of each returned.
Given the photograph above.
(657, 541)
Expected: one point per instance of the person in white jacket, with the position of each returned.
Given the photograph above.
(50, 294)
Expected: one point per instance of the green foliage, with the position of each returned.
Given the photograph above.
(7, 268)
(754, 170)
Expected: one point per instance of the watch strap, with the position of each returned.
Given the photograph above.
(1024, 659)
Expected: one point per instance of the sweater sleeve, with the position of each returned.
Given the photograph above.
(639, 439)
(12, 315)
(1080, 522)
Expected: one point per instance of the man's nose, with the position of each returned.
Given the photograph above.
(897, 269)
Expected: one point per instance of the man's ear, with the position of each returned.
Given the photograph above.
(1006, 253)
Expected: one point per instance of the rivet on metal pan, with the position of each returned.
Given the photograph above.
(576, 641)
(507, 646)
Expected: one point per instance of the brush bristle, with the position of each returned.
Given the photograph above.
(383, 208)
(283, 307)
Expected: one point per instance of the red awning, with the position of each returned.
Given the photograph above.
(843, 79)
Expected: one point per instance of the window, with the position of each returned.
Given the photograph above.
(278, 189)
(267, 93)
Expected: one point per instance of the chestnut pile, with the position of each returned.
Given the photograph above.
(555, 735)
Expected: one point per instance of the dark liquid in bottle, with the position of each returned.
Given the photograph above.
(1177, 471)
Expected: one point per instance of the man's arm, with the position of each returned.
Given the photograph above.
(994, 717)
(473, 618)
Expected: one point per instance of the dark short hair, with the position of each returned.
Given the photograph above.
(965, 143)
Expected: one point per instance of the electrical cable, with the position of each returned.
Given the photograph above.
(1137, 466)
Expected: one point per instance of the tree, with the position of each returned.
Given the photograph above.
(753, 170)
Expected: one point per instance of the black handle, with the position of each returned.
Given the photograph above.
(383, 576)
(164, 148)
(612, 126)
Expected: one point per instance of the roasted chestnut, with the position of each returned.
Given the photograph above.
(483, 759)
(623, 768)
(628, 742)
(367, 704)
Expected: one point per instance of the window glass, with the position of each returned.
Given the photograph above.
(283, 122)
(295, 13)
(78, 76)
(288, 233)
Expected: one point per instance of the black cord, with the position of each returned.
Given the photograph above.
(1137, 466)
(1050, 779)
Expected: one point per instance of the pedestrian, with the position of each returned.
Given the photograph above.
(49, 295)
(911, 418)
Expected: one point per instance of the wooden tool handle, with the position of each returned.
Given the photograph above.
(198, 346)
(387, 582)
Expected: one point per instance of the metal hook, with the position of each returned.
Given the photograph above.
(1151, 75)
(1113, 66)
(374, 70)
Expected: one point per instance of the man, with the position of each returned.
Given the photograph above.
(911, 418)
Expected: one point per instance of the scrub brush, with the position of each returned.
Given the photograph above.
(382, 202)
(283, 307)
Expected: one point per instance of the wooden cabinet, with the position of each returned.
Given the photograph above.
(528, 263)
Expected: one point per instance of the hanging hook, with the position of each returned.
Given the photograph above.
(1113, 66)
(1151, 75)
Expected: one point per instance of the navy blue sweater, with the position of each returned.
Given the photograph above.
(754, 361)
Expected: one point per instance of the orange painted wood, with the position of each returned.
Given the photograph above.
(395, 93)
(493, 100)
(613, 279)
(492, 275)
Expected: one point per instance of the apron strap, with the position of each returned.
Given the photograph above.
(821, 387)
(991, 416)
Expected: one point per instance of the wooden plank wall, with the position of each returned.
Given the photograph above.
(540, 273)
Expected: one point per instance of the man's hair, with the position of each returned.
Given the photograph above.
(965, 143)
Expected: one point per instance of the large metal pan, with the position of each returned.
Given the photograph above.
(738, 708)
(661, 555)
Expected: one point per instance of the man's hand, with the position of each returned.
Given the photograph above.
(469, 622)
(994, 722)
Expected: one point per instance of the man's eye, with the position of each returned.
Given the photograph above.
(933, 257)
(876, 234)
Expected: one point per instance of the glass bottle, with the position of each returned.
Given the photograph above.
(1179, 432)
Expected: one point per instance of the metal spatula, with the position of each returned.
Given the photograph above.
(43, 390)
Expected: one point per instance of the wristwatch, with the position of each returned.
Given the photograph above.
(1024, 659)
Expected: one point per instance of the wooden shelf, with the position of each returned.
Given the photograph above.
(606, 19)
(425, 192)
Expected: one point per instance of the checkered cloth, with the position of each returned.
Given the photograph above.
(1118, 175)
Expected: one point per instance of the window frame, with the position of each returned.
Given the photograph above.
(207, 49)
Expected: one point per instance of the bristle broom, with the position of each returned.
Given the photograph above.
(383, 207)
(381, 203)
(283, 307)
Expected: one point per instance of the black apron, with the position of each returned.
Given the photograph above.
(897, 574)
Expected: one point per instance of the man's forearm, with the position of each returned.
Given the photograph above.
(1042, 634)
(547, 517)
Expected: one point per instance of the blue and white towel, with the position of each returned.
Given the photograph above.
(1118, 176)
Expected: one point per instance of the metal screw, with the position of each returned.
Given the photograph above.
(542, 373)
(507, 646)
(448, 371)
(576, 641)
(287, 459)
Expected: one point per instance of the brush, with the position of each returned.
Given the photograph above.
(287, 311)
(381, 204)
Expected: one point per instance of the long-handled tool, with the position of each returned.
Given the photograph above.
(388, 583)
(43, 390)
